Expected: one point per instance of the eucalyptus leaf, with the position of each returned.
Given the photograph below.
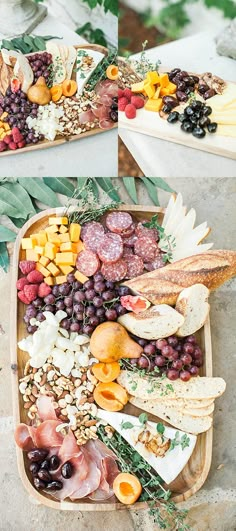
(40, 191)
(4, 257)
(130, 185)
(6, 44)
(61, 185)
(18, 222)
(95, 189)
(6, 235)
(39, 42)
(23, 199)
(107, 186)
(160, 183)
(152, 190)
(81, 183)
(7, 204)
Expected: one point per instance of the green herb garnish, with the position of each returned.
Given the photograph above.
(143, 418)
(144, 65)
(168, 242)
(184, 441)
(160, 428)
(126, 425)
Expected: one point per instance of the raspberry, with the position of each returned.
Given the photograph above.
(120, 93)
(128, 93)
(21, 144)
(31, 291)
(35, 277)
(22, 297)
(44, 290)
(137, 101)
(21, 283)
(130, 111)
(13, 145)
(26, 266)
(7, 139)
(122, 102)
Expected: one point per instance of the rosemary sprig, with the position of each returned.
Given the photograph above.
(164, 511)
(100, 72)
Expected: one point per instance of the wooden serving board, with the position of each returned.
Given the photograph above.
(151, 124)
(194, 473)
(59, 140)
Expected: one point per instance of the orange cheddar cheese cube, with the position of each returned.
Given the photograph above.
(51, 228)
(43, 270)
(53, 269)
(68, 246)
(163, 80)
(80, 277)
(54, 238)
(38, 249)
(32, 255)
(171, 87)
(74, 232)
(64, 237)
(61, 279)
(44, 261)
(66, 269)
(154, 105)
(27, 243)
(49, 281)
(58, 221)
(157, 93)
(65, 258)
(153, 77)
(149, 89)
(50, 250)
(63, 229)
(80, 246)
(40, 238)
(138, 87)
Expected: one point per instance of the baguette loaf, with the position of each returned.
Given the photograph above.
(163, 286)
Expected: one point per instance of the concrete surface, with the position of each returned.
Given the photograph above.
(214, 507)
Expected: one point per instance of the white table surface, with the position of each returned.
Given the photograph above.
(166, 159)
(94, 156)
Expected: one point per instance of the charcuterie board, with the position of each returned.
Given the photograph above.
(154, 123)
(196, 470)
(61, 138)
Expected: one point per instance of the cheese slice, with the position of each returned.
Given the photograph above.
(84, 70)
(172, 463)
(58, 63)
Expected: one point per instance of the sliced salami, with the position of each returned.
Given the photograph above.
(87, 263)
(134, 266)
(128, 251)
(141, 231)
(156, 263)
(110, 249)
(118, 221)
(128, 232)
(92, 235)
(146, 248)
(129, 242)
(114, 272)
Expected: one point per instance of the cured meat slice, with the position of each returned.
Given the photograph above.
(46, 435)
(87, 263)
(128, 232)
(134, 266)
(142, 231)
(93, 235)
(156, 263)
(110, 249)
(128, 251)
(24, 436)
(146, 248)
(114, 272)
(92, 480)
(118, 221)
(46, 410)
(129, 242)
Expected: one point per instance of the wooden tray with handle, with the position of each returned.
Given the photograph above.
(59, 140)
(194, 473)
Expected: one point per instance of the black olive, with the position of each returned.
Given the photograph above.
(194, 119)
(188, 91)
(54, 462)
(196, 104)
(114, 106)
(45, 464)
(114, 116)
(207, 110)
(187, 127)
(44, 474)
(39, 484)
(212, 126)
(167, 108)
(115, 98)
(183, 74)
(54, 485)
(181, 85)
(175, 71)
(188, 111)
(204, 121)
(34, 468)
(37, 454)
(196, 79)
(189, 81)
(182, 117)
(202, 88)
(67, 470)
(199, 132)
(173, 117)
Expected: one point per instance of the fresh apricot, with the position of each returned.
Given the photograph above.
(110, 396)
(56, 92)
(110, 342)
(127, 488)
(69, 87)
(112, 72)
(106, 372)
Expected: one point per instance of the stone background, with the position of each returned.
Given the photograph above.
(214, 507)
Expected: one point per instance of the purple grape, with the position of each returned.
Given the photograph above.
(160, 361)
(68, 301)
(49, 299)
(69, 311)
(88, 329)
(98, 277)
(94, 321)
(120, 309)
(65, 323)
(89, 284)
(111, 315)
(78, 307)
(90, 294)
(79, 296)
(160, 343)
(143, 363)
(90, 311)
(142, 342)
(99, 287)
(60, 305)
(108, 295)
(75, 327)
(123, 290)
(31, 329)
(37, 302)
(149, 349)
(98, 302)
(31, 311)
(77, 285)
(49, 308)
(40, 317)
(191, 339)
(26, 318)
(110, 284)
(70, 278)
(100, 312)
(172, 341)
(80, 316)
(64, 289)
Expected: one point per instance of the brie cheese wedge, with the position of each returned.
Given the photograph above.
(87, 62)
(173, 461)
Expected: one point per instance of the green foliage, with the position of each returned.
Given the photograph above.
(108, 5)
(94, 36)
(27, 43)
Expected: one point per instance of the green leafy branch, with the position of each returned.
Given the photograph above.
(108, 5)
(92, 35)
(27, 43)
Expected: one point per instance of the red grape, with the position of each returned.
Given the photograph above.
(68, 301)
(79, 296)
(99, 286)
(108, 295)
(185, 376)
(160, 361)
(89, 284)
(167, 351)
(188, 348)
(177, 364)
(49, 299)
(90, 311)
(186, 359)
(143, 363)
(172, 374)
(194, 371)
(64, 289)
(160, 343)
(75, 327)
(172, 341)
(70, 278)
(111, 315)
(65, 323)
(149, 349)
(60, 305)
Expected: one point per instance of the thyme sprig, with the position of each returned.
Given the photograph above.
(144, 65)
(168, 242)
(163, 510)
(84, 199)
(99, 73)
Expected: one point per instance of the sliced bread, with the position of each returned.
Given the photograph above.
(192, 303)
(156, 322)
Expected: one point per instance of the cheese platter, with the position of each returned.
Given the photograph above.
(192, 109)
(91, 397)
(55, 96)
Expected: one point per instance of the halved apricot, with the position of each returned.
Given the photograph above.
(106, 372)
(112, 72)
(110, 396)
(56, 92)
(69, 87)
(127, 488)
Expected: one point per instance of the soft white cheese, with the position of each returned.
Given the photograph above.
(87, 61)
